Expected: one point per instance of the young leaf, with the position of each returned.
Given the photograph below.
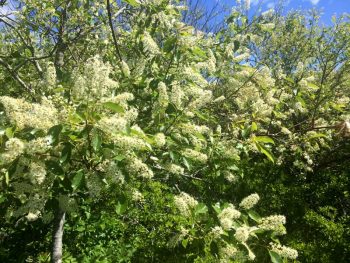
(264, 139)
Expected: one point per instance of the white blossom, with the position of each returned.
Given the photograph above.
(136, 167)
(32, 216)
(283, 251)
(174, 169)
(274, 223)
(30, 115)
(195, 155)
(149, 44)
(160, 140)
(184, 202)
(242, 234)
(37, 172)
(250, 201)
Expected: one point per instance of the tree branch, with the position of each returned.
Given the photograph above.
(112, 29)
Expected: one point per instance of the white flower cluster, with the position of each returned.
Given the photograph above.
(50, 76)
(24, 114)
(216, 232)
(113, 173)
(195, 77)
(176, 95)
(32, 216)
(209, 64)
(274, 223)
(242, 233)
(38, 145)
(189, 128)
(184, 202)
(121, 99)
(195, 155)
(159, 140)
(174, 169)
(219, 99)
(227, 252)
(125, 68)
(164, 19)
(136, 167)
(149, 45)
(250, 201)
(94, 82)
(227, 215)
(284, 251)
(205, 98)
(14, 148)
(126, 142)
(137, 196)
(112, 124)
(37, 172)
(163, 98)
(230, 177)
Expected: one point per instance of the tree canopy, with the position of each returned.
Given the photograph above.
(131, 134)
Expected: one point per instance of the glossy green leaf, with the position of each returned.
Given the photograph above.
(275, 258)
(254, 215)
(96, 141)
(66, 153)
(54, 133)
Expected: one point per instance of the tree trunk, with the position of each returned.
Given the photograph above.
(57, 234)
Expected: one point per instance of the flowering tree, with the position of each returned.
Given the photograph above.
(120, 95)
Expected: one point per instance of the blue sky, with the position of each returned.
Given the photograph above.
(328, 7)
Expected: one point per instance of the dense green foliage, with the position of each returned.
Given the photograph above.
(163, 143)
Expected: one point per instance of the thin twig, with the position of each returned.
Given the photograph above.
(112, 29)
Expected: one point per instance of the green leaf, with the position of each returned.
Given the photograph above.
(10, 132)
(275, 258)
(199, 52)
(120, 208)
(236, 45)
(313, 86)
(54, 167)
(54, 133)
(265, 151)
(264, 139)
(77, 178)
(318, 135)
(254, 215)
(169, 44)
(184, 243)
(200, 209)
(113, 107)
(254, 126)
(66, 153)
(133, 3)
(96, 141)
(186, 163)
(119, 157)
